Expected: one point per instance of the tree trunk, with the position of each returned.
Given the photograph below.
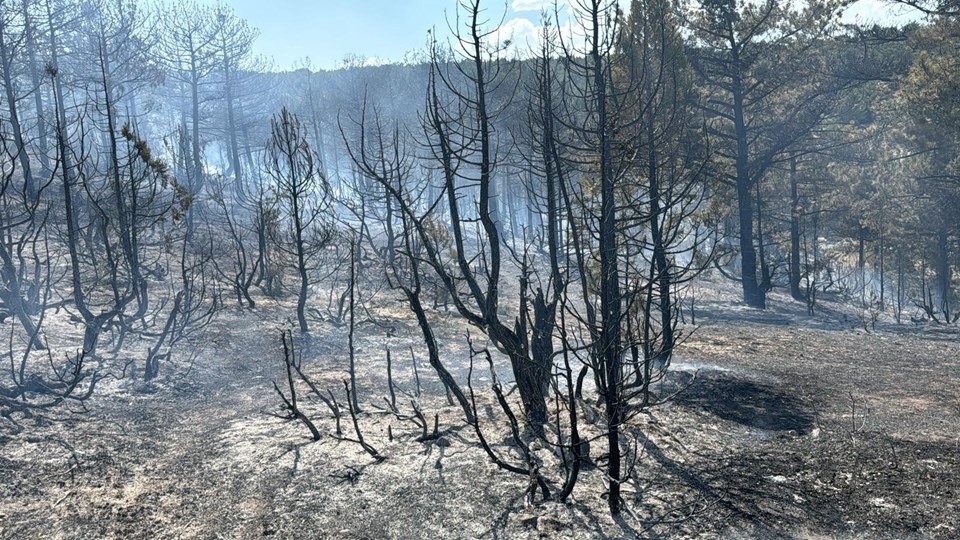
(6, 63)
(659, 251)
(608, 352)
(795, 219)
(232, 125)
(944, 274)
(353, 291)
(753, 294)
(862, 262)
(35, 80)
(302, 268)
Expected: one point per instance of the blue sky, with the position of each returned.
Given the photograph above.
(327, 31)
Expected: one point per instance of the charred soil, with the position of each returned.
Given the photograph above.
(784, 426)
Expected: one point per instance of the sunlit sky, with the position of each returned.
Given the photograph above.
(327, 31)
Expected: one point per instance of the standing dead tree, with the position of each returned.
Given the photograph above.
(612, 135)
(95, 313)
(356, 426)
(387, 162)
(22, 226)
(293, 365)
(296, 362)
(623, 179)
(245, 261)
(188, 48)
(294, 412)
(632, 141)
(459, 136)
(303, 196)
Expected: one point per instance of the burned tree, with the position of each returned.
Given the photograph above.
(632, 149)
(623, 177)
(303, 199)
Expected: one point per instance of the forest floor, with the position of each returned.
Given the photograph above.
(792, 426)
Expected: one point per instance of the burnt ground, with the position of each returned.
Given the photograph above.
(788, 426)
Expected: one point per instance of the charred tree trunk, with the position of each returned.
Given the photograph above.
(753, 294)
(796, 215)
(36, 80)
(662, 267)
(944, 275)
(354, 246)
(607, 351)
(6, 64)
